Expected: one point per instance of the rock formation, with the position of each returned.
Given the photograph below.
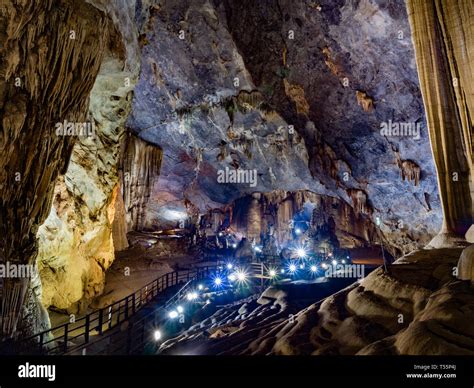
(233, 97)
(417, 308)
(444, 47)
(37, 91)
(75, 241)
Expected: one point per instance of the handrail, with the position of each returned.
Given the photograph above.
(110, 315)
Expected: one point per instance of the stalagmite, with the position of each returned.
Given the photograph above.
(444, 46)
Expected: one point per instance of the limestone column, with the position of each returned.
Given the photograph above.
(442, 32)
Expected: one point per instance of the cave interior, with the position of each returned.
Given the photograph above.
(315, 157)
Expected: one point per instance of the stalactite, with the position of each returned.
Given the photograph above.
(39, 90)
(410, 171)
(141, 163)
(365, 101)
(359, 201)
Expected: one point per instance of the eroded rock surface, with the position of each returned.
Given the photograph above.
(36, 91)
(75, 242)
(418, 307)
(224, 86)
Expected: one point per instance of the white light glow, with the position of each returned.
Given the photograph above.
(191, 296)
(334, 262)
(157, 335)
(292, 268)
(324, 265)
(173, 314)
(232, 277)
(180, 309)
(301, 252)
(313, 268)
(272, 273)
(217, 281)
(241, 276)
(200, 287)
(343, 261)
(298, 231)
(229, 266)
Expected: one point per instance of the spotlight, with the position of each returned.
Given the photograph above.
(343, 261)
(200, 287)
(301, 266)
(292, 268)
(257, 249)
(301, 252)
(313, 268)
(220, 234)
(180, 309)
(191, 296)
(229, 266)
(241, 276)
(272, 273)
(173, 314)
(217, 281)
(234, 245)
(324, 265)
(208, 301)
(334, 262)
(157, 335)
(298, 231)
(330, 254)
(282, 270)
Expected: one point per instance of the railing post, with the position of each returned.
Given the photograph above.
(65, 337)
(41, 342)
(126, 307)
(101, 320)
(133, 303)
(129, 338)
(109, 318)
(86, 328)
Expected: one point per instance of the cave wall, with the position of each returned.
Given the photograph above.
(275, 212)
(37, 91)
(444, 45)
(76, 244)
(224, 86)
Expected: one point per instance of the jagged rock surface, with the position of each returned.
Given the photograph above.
(235, 84)
(75, 242)
(37, 91)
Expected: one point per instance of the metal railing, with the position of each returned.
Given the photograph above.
(72, 335)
